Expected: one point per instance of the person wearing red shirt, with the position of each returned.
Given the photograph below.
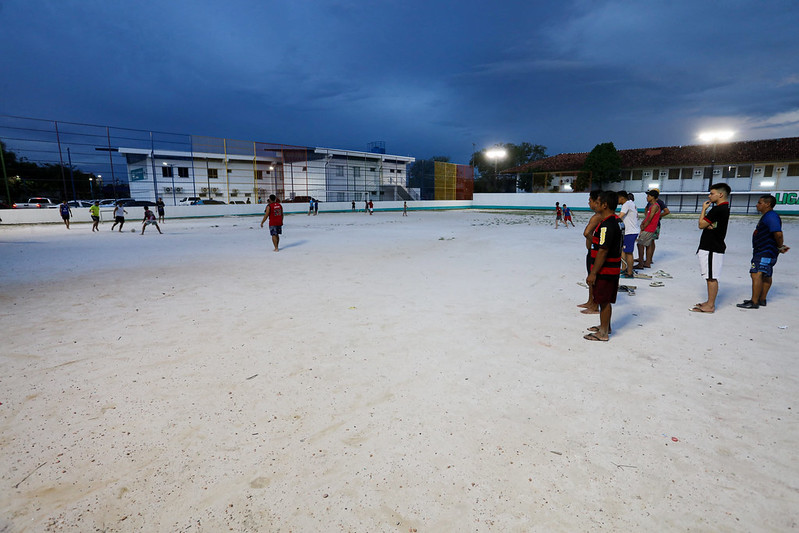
(274, 213)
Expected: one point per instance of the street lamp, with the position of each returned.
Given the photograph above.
(715, 137)
(91, 187)
(172, 175)
(496, 154)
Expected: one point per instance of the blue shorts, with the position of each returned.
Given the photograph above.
(764, 265)
(275, 230)
(629, 243)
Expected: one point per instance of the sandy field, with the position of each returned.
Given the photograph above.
(382, 373)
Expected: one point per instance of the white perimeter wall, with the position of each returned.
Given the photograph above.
(541, 201)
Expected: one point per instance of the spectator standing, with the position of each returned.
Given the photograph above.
(664, 210)
(767, 245)
(713, 222)
(606, 243)
(590, 306)
(648, 227)
(628, 215)
(161, 210)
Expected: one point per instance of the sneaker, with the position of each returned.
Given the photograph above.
(762, 304)
(747, 304)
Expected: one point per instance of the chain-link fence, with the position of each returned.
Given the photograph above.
(66, 160)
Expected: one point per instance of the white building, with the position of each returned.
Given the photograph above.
(683, 174)
(248, 172)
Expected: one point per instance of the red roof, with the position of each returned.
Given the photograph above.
(732, 153)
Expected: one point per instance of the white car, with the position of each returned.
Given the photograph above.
(79, 203)
(189, 200)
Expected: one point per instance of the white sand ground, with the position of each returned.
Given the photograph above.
(387, 374)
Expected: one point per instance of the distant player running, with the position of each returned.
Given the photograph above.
(567, 216)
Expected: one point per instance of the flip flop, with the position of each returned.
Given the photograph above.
(663, 274)
(589, 312)
(657, 284)
(593, 337)
(697, 309)
(595, 329)
(642, 276)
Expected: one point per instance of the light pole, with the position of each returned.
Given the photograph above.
(100, 183)
(496, 154)
(172, 175)
(91, 187)
(715, 137)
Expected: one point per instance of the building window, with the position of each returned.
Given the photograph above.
(166, 171)
(768, 171)
(625, 175)
(656, 174)
(745, 171)
(259, 174)
(340, 170)
(793, 169)
(729, 172)
(183, 172)
(305, 169)
(356, 172)
(213, 173)
(638, 175)
(674, 173)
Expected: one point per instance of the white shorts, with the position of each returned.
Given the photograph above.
(710, 263)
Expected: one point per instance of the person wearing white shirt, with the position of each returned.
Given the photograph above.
(628, 215)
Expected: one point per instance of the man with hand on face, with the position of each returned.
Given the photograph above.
(713, 222)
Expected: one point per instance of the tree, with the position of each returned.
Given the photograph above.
(27, 179)
(517, 155)
(604, 165)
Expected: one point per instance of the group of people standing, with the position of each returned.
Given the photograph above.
(610, 240)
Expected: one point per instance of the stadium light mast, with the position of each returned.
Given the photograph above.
(715, 137)
(496, 154)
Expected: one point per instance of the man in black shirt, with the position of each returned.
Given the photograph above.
(713, 223)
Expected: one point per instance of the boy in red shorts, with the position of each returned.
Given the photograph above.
(606, 245)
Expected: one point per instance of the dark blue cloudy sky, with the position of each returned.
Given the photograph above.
(427, 77)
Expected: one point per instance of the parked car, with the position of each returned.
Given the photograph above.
(80, 203)
(189, 200)
(208, 201)
(139, 203)
(38, 202)
(111, 202)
